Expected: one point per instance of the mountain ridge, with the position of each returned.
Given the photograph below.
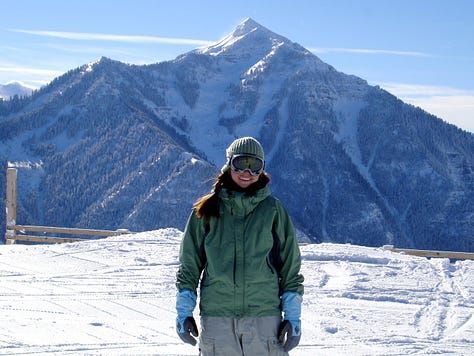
(133, 146)
(12, 89)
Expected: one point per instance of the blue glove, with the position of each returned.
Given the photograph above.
(185, 323)
(289, 333)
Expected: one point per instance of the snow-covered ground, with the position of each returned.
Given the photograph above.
(116, 296)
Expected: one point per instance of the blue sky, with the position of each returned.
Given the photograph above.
(420, 50)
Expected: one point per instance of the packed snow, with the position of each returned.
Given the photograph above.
(116, 296)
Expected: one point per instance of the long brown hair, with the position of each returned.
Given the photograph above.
(208, 205)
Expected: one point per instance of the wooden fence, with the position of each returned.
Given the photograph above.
(16, 232)
(433, 254)
(12, 230)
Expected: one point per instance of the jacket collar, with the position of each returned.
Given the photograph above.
(239, 202)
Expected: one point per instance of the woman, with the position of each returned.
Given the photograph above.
(239, 247)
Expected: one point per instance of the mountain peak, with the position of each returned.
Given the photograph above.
(247, 26)
(257, 36)
(160, 132)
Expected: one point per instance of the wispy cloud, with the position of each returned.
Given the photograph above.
(83, 36)
(31, 76)
(416, 90)
(36, 71)
(370, 51)
(451, 104)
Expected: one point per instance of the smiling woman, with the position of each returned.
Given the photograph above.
(236, 229)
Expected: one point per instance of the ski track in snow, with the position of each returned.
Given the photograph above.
(116, 296)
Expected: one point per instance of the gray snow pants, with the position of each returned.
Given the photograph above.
(240, 337)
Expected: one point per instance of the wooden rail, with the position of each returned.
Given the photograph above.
(67, 230)
(59, 230)
(432, 254)
(42, 239)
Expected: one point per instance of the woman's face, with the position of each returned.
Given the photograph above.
(244, 179)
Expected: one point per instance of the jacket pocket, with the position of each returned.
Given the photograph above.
(207, 347)
(275, 348)
(270, 266)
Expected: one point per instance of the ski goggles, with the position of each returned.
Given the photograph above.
(245, 162)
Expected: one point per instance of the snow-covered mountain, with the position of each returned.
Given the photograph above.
(111, 145)
(116, 296)
(9, 90)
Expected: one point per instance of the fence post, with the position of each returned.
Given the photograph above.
(10, 206)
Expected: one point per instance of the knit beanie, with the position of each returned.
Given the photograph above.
(244, 145)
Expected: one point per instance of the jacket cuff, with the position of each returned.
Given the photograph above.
(291, 306)
(185, 303)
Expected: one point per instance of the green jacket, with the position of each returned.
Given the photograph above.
(247, 257)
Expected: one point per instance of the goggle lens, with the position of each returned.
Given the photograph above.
(241, 163)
